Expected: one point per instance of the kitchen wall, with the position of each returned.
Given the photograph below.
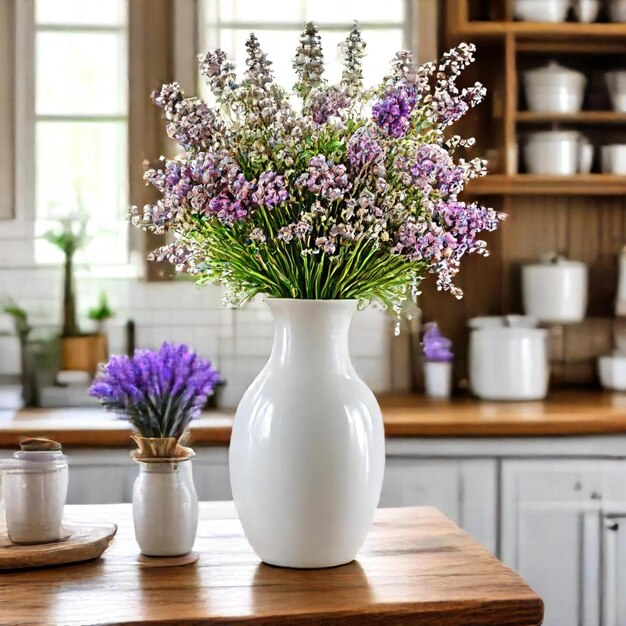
(237, 341)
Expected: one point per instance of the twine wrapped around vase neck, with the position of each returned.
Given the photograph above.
(161, 449)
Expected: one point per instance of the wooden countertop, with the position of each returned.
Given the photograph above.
(564, 413)
(416, 567)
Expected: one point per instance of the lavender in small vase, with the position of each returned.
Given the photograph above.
(438, 358)
(159, 392)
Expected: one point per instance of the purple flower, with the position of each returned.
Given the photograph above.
(329, 104)
(227, 209)
(393, 111)
(436, 346)
(325, 178)
(158, 392)
(271, 189)
(363, 149)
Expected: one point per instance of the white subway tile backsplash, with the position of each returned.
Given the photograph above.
(238, 342)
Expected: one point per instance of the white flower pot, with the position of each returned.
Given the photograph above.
(165, 508)
(307, 452)
(438, 379)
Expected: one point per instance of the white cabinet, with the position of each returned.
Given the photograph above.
(555, 532)
(463, 489)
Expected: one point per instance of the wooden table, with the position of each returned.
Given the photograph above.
(416, 567)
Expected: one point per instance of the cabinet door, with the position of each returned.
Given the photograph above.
(462, 489)
(211, 475)
(551, 534)
(103, 476)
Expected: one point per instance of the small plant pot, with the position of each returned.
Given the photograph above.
(438, 379)
(83, 353)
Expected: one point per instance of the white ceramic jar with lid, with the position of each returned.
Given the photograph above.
(555, 290)
(35, 490)
(558, 153)
(554, 88)
(508, 362)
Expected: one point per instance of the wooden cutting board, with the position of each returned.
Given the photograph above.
(79, 542)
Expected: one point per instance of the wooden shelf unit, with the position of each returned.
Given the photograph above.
(582, 217)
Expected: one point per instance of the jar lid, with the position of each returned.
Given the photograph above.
(556, 261)
(554, 70)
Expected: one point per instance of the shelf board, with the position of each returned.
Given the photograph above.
(544, 30)
(582, 117)
(533, 185)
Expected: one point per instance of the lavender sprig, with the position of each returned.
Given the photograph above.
(158, 392)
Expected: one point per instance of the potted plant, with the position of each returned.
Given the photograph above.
(79, 351)
(348, 196)
(160, 392)
(438, 359)
(101, 314)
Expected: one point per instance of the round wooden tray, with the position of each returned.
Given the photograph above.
(79, 542)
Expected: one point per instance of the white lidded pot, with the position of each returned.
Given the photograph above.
(555, 291)
(554, 88)
(558, 153)
(35, 490)
(508, 363)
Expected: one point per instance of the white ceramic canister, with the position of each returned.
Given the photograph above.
(557, 153)
(614, 159)
(616, 83)
(541, 10)
(612, 371)
(165, 508)
(554, 88)
(555, 291)
(438, 379)
(35, 490)
(509, 363)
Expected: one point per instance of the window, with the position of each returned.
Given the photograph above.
(226, 24)
(81, 119)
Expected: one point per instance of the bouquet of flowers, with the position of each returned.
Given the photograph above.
(332, 192)
(158, 392)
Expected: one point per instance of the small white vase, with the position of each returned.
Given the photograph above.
(307, 451)
(438, 379)
(165, 508)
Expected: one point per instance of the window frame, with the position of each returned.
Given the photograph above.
(421, 32)
(23, 219)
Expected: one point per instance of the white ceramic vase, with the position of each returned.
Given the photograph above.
(165, 508)
(307, 452)
(438, 379)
